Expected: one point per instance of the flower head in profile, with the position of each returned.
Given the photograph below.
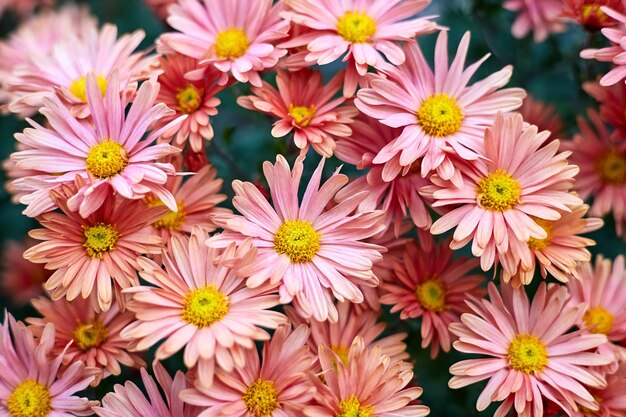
(305, 106)
(530, 357)
(542, 17)
(199, 302)
(589, 12)
(441, 115)
(612, 53)
(543, 115)
(362, 32)
(279, 385)
(313, 253)
(20, 279)
(237, 38)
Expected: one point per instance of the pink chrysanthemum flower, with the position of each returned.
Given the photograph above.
(32, 383)
(612, 100)
(97, 254)
(23, 7)
(109, 155)
(370, 384)
(434, 286)
(361, 31)
(440, 115)
(129, 401)
(589, 13)
(614, 53)
(83, 334)
(20, 279)
(160, 7)
(611, 399)
(543, 115)
(303, 104)
(531, 354)
(542, 17)
(277, 386)
(313, 253)
(602, 161)
(235, 37)
(520, 179)
(200, 302)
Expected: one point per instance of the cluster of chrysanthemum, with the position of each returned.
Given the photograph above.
(134, 252)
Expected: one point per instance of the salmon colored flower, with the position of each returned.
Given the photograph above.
(305, 106)
(441, 116)
(21, 279)
(589, 13)
(160, 7)
(611, 399)
(615, 34)
(543, 115)
(313, 253)
(612, 100)
(542, 17)
(531, 353)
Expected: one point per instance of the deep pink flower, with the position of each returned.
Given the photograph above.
(612, 100)
(21, 279)
(589, 13)
(543, 115)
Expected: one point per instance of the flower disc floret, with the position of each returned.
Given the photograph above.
(29, 399)
(205, 306)
(78, 87)
(302, 115)
(356, 27)
(431, 295)
(440, 116)
(527, 354)
(100, 239)
(189, 99)
(106, 159)
(541, 244)
(498, 191)
(231, 44)
(172, 220)
(261, 398)
(90, 335)
(612, 168)
(600, 318)
(298, 240)
(353, 408)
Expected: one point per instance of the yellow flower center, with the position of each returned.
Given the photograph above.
(600, 318)
(90, 335)
(541, 244)
(440, 116)
(431, 295)
(99, 239)
(302, 115)
(106, 159)
(612, 168)
(261, 398)
(29, 399)
(341, 351)
(527, 354)
(356, 27)
(498, 191)
(231, 44)
(173, 220)
(353, 408)
(205, 306)
(189, 98)
(79, 85)
(592, 10)
(298, 240)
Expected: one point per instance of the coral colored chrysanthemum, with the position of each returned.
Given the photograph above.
(542, 17)
(543, 115)
(315, 254)
(614, 53)
(370, 384)
(439, 113)
(611, 399)
(20, 279)
(520, 179)
(200, 302)
(83, 334)
(109, 154)
(612, 100)
(602, 161)
(434, 286)
(96, 255)
(305, 106)
(279, 386)
(532, 355)
(129, 401)
(235, 37)
(589, 13)
(360, 31)
(31, 380)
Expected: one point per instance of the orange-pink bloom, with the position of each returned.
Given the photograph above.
(543, 115)
(613, 53)
(20, 279)
(589, 13)
(612, 100)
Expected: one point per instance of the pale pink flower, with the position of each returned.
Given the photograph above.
(369, 384)
(612, 100)
(200, 302)
(434, 286)
(110, 154)
(531, 354)
(235, 37)
(313, 253)
(304, 105)
(614, 53)
(279, 385)
(543, 115)
(520, 179)
(21, 279)
(31, 380)
(360, 31)
(440, 114)
(542, 17)
(86, 335)
(589, 13)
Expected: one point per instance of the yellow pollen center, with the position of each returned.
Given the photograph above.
(231, 44)
(592, 10)
(100, 239)
(173, 220)
(189, 99)
(341, 351)
(541, 244)
(612, 168)
(440, 116)
(302, 115)
(353, 408)
(527, 354)
(298, 240)
(205, 306)
(498, 191)
(29, 399)
(431, 295)
(78, 87)
(106, 159)
(261, 398)
(601, 319)
(356, 27)
(90, 335)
